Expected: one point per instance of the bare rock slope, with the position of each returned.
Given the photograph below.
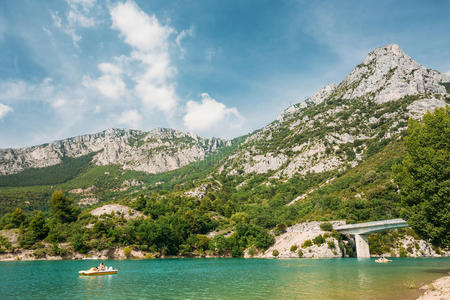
(156, 151)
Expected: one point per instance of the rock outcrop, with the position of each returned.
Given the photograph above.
(389, 74)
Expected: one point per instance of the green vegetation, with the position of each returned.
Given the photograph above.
(60, 173)
(275, 253)
(424, 177)
(127, 252)
(326, 226)
(307, 243)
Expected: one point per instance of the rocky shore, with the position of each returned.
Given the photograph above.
(437, 290)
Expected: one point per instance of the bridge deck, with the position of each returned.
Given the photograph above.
(371, 227)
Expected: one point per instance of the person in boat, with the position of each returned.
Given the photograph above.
(102, 267)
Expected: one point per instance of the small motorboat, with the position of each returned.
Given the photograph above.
(383, 260)
(96, 272)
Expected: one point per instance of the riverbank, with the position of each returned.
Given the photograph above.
(437, 290)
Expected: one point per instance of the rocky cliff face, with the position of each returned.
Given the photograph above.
(340, 124)
(156, 151)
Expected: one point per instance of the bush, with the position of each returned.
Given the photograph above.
(307, 243)
(127, 252)
(280, 229)
(331, 245)
(40, 253)
(78, 243)
(236, 252)
(294, 248)
(252, 251)
(402, 252)
(318, 240)
(4, 244)
(275, 253)
(300, 253)
(326, 226)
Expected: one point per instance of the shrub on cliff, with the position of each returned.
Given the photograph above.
(127, 252)
(275, 253)
(319, 240)
(326, 226)
(307, 243)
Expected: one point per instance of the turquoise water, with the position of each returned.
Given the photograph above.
(221, 279)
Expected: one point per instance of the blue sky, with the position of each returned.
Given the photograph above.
(216, 68)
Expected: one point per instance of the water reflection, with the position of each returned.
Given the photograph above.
(95, 285)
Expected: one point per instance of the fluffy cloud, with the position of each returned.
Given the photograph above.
(130, 118)
(110, 83)
(139, 30)
(208, 113)
(153, 71)
(58, 102)
(4, 109)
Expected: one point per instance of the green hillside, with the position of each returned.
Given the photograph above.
(31, 189)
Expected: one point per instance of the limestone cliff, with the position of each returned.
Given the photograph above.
(156, 151)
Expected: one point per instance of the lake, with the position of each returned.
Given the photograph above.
(215, 278)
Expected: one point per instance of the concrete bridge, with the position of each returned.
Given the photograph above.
(361, 232)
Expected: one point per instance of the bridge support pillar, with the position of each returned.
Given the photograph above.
(362, 245)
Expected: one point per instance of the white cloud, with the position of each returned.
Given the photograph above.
(58, 102)
(210, 113)
(130, 118)
(183, 34)
(16, 89)
(150, 64)
(110, 83)
(4, 109)
(79, 15)
(57, 21)
(109, 68)
(138, 29)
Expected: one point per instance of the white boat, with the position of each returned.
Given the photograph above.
(96, 272)
(383, 260)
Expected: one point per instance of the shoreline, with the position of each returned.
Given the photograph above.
(437, 289)
(27, 255)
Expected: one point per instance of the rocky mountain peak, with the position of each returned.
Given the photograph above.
(387, 74)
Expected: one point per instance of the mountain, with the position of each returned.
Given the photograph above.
(348, 131)
(157, 151)
(327, 158)
(341, 125)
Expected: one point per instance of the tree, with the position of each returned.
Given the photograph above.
(62, 207)
(37, 230)
(17, 217)
(424, 177)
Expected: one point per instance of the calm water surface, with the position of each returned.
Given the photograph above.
(221, 279)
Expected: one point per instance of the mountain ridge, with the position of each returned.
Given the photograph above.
(146, 151)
